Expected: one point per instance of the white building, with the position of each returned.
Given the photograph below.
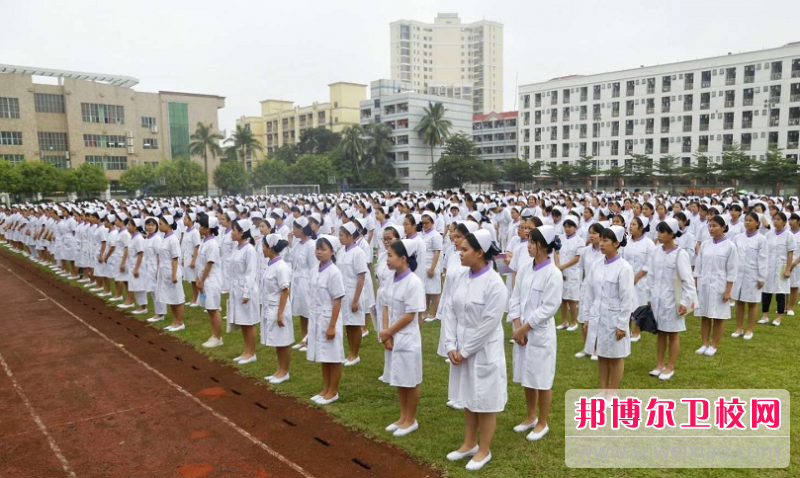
(403, 112)
(496, 136)
(752, 99)
(451, 59)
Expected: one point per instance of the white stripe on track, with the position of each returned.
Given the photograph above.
(177, 387)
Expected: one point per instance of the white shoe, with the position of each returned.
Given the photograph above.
(748, 336)
(401, 432)
(87, 285)
(95, 289)
(636, 339)
(666, 376)
(457, 455)
(276, 381)
(776, 323)
(561, 326)
(188, 304)
(116, 299)
(447, 360)
(139, 312)
(736, 335)
(473, 465)
(535, 436)
(245, 361)
(125, 306)
(572, 328)
(523, 427)
(511, 341)
(72, 277)
(710, 352)
(176, 328)
(430, 319)
(701, 350)
(764, 320)
(790, 312)
(297, 346)
(104, 294)
(580, 354)
(155, 319)
(392, 427)
(365, 333)
(350, 363)
(315, 398)
(594, 357)
(213, 342)
(322, 401)
(609, 401)
(302, 349)
(83, 281)
(656, 372)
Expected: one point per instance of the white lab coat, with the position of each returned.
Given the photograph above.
(779, 244)
(191, 239)
(453, 268)
(368, 294)
(661, 270)
(734, 230)
(351, 262)
(535, 301)
(243, 284)
(151, 247)
(227, 245)
(210, 251)
(274, 277)
(136, 246)
(611, 297)
(433, 242)
(752, 267)
(717, 264)
(637, 254)
(474, 328)
(421, 251)
(571, 247)
(326, 286)
(795, 280)
(687, 242)
(589, 259)
(166, 291)
(403, 364)
(303, 262)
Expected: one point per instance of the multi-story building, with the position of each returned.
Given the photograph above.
(496, 136)
(402, 112)
(451, 59)
(98, 119)
(707, 105)
(282, 123)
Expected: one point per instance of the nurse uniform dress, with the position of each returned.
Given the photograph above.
(474, 328)
(212, 287)
(191, 239)
(385, 277)
(243, 283)
(101, 236)
(637, 253)
(794, 281)
(717, 264)
(661, 269)
(453, 270)
(166, 291)
(571, 246)
(611, 298)
(421, 252)
(403, 364)
(275, 277)
(303, 262)
(226, 249)
(351, 263)
(123, 241)
(779, 245)
(589, 259)
(113, 260)
(368, 292)
(535, 301)
(135, 284)
(433, 242)
(752, 251)
(326, 286)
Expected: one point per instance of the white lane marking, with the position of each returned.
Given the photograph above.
(39, 423)
(177, 387)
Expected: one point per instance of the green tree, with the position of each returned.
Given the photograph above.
(87, 180)
(434, 128)
(460, 145)
(10, 178)
(38, 177)
(639, 169)
(776, 170)
(667, 168)
(312, 169)
(614, 174)
(231, 178)
(584, 170)
(244, 142)
(451, 172)
(181, 177)
(318, 140)
(268, 171)
(536, 168)
(561, 173)
(703, 170)
(735, 164)
(205, 141)
(353, 145)
(137, 178)
(377, 147)
(516, 171)
(286, 153)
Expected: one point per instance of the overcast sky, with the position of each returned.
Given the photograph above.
(247, 50)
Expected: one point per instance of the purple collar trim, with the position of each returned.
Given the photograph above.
(475, 275)
(751, 235)
(350, 247)
(640, 238)
(428, 231)
(168, 235)
(322, 267)
(227, 230)
(612, 260)
(717, 241)
(384, 223)
(151, 235)
(242, 245)
(402, 275)
(273, 261)
(536, 267)
(190, 229)
(413, 236)
(671, 250)
(795, 231)
(778, 233)
(210, 237)
(570, 236)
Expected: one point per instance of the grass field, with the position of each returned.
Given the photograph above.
(770, 360)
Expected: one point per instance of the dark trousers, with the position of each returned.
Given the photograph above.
(766, 301)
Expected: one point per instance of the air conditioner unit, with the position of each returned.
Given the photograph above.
(145, 146)
(130, 134)
(66, 154)
(130, 149)
(130, 141)
(154, 129)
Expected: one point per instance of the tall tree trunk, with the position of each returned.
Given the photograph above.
(205, 168)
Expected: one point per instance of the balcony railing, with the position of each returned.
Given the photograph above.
(746, 146)
(629, 92)
(730, 81)
(628, 131)
(729, 103)
(615, 114)
(794, 98)
(648, 150)
(728, 125)
(584, 116)
(749, 78)
(665, 109)
(791, 145)
(651, 110)
(703, 126)
(628, 112)
(665, 149)
(665, 129)
(687, 148)
(747, 123)
(648, 130)
(776, 76)
(795, 73)
(687, 128)
(688, 86)
(705, 106)
(703, 148)
(747, 102)
(687, 107)
(705, 84)
(584, 97)
(774, 121)
(794, 121)
(583, 135)
(665, 89)
(651, 90)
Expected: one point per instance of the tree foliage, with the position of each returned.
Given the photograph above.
(269, 171)
(137, 178)
(434, 129)
(39, 177)
(87, 180)
(516, 171)
(205, 141)
(232, 178)
(460, 165)
(318, 140)
(10, 178)
(244, 142)
(181, 177)
(312, 169)
(776, 170)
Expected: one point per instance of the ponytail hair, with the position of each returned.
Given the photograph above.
(413, 221)
(400, 249)
(278, 247)
(245, 234)
(608, 233)
(537, 237)
(639, 223)
(474, 244)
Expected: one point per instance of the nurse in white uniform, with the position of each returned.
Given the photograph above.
(384, 275)
(751, 276)
(351, 262)
(592, 255)
(780, 257)
(209, 277)
(412, 227)
(534, 303)
(303, 243)
(400, 334)
(475, 347)
(668, 266)
(794, 282)
(611, 298)
(637, 254)
(190, 246)
(325, 329)
(277, 329)
(137, 280)
(243, 306)
(568, 257)
(152, 247)
(715, 272)
(170, 288)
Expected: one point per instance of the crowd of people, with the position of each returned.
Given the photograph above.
(469, 261)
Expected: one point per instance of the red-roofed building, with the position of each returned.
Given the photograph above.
(496, 136)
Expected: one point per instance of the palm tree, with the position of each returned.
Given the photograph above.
(353, 147)
(434, 129)
(205, 140)
(244, 141)
(379, 144)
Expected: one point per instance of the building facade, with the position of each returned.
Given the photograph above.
(402, 112)
(751, 99)
(281, 122)
(97, 119)
(451, 59)
(496, 136)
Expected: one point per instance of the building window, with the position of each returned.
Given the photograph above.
(9, 108)
(103, 141)
(109, 163)
(13, 158)
(47, 103)
(179, 129)
(59, 162)
(148, 121)
(150, 143)
(52, 141)
(11, 138)
(99, 113)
